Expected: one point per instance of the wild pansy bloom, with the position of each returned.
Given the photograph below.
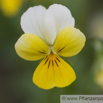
(10, 7)
(99, 77)
(48, 34)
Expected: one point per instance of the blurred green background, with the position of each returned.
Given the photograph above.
(16, 84)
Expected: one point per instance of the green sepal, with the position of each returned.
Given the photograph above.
(68, 60)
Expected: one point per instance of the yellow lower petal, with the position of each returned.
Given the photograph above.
(10, 7)
(31, 47)
(53, 71)
(65, 75)
(69, 42)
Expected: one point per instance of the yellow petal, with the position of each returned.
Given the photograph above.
(69, 42)
(10, 7)
(99, 78)
(65, 75)
(31, 47)
(53, 71)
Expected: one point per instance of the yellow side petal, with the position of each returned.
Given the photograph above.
(10, 7)
(53, 71)
(31, 47)
(69, 42)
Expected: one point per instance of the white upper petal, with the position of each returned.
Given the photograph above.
(32, 20)
(46, 24)
(62, 15)
(49, 28)
(37, 20)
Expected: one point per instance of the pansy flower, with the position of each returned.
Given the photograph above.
(49, 34)
(10, 7)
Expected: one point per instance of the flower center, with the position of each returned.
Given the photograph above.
(52, 60)
(51, 50)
